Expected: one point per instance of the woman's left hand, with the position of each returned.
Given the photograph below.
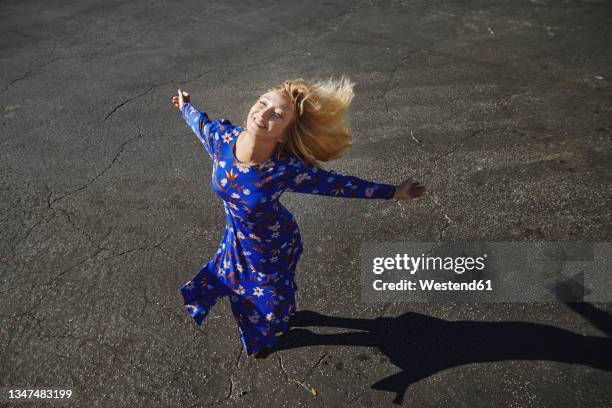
(409, 190)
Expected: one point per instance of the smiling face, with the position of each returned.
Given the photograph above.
(270, 116)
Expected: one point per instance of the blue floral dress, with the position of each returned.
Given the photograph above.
(257, 257)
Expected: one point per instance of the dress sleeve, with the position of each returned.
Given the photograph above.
(313, 180)
(201, 125)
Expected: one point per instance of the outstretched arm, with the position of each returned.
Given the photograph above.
(313, 180)
(198, 121)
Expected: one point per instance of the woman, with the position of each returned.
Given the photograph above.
(288, 131)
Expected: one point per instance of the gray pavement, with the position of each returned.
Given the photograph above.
(502, 108)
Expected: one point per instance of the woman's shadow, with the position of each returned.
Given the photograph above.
(420, 345)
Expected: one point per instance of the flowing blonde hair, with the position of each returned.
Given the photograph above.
(320, 130)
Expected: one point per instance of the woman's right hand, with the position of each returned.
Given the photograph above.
(182, 98)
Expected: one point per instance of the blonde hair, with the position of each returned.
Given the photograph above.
(320, 129)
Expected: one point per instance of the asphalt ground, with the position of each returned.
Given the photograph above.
(503, 109)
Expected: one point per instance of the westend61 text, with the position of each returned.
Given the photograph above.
(430, 284)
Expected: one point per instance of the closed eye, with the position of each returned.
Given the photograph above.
(278, 115)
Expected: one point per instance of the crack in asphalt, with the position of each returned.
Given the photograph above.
(314, 366)
(231, 383)
(244, 67)
(459, 145)
(54, 281)
(231, 376)
(117, 352)
(409, 54)
(98, 245)
(21, 78)
(156, 85)
(446, 223)
(287, 377)
(82, 231)
(141, 248)
(429, 48)
(116, 52)
(97, 176)
(100, 50)
(438, 204)
(28, 233)
(108, 115)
